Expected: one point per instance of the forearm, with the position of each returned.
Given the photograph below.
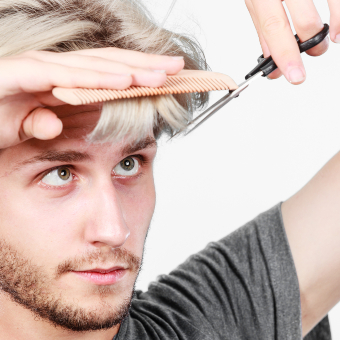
(312, 222)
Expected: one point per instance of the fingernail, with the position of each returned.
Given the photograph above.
(159, 71)
(177, 58)
(337, 38)
(296, 75)
(270, 78)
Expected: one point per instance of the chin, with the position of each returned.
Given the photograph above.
(103, 310)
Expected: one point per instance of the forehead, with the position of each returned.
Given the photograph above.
(78, 122)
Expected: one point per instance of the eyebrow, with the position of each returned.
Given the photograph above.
(66, 156)
(69, 156)
(146, 143)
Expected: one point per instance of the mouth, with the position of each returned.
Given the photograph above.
(101, 276)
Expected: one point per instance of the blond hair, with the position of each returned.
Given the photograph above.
(70, 25)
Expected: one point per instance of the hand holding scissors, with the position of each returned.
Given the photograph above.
(276, 37)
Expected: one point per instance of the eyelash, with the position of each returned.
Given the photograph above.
(143, 161)
(43, 174)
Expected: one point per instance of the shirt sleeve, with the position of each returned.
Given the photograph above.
(244, 286)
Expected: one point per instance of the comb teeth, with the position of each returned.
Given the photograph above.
(186, 81)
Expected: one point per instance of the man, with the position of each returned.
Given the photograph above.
(74, 215)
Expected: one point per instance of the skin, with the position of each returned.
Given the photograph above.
(27, 80)
(276, 36)
(311, 218)
(99, 211)
(82, 223)
(85, 221)
(97, 220)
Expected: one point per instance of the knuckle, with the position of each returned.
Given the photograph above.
(273, 25)
(30, 62)
(100, 83)
(309, 24)
(72, 79)
(75, 77)
(93, 59)
(95, 62)
(286, 54)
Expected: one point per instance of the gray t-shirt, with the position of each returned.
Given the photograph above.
(243, 287)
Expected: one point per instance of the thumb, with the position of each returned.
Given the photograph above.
(41, 123)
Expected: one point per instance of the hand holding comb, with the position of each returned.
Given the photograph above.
(186, 81)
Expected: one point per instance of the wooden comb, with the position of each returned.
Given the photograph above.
(186, 81)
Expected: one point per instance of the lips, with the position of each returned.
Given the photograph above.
(101, 276)
(103, 271)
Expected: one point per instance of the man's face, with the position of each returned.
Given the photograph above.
(66, 208)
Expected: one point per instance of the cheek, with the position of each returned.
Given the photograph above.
(138, 207)
(37, 225)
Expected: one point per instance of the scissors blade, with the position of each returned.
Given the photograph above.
(195, 123)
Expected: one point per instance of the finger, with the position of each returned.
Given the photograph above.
(35, 76)
(334, 27)
(277, 73)
(140, 76)
(47, 99)
(256, 23)
(308, 24)
(280, 39)
(41, 123)
(171, 64)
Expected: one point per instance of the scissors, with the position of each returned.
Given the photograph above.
(264, 67)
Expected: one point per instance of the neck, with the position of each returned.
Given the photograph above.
(17, 322)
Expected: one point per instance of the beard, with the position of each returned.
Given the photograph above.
(28, 285)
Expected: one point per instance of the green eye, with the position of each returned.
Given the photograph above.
(64, 173)
(127, 164)
(58, 177)
(127, 167)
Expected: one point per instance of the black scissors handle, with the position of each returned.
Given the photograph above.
(267, 65)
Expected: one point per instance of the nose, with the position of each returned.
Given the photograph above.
(105, 224)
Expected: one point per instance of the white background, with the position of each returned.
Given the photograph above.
(257, 151)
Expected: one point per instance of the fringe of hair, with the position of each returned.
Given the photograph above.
(71, 25)
(119, 118)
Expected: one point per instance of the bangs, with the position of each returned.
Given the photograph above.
(137, 118)
(72, 25)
